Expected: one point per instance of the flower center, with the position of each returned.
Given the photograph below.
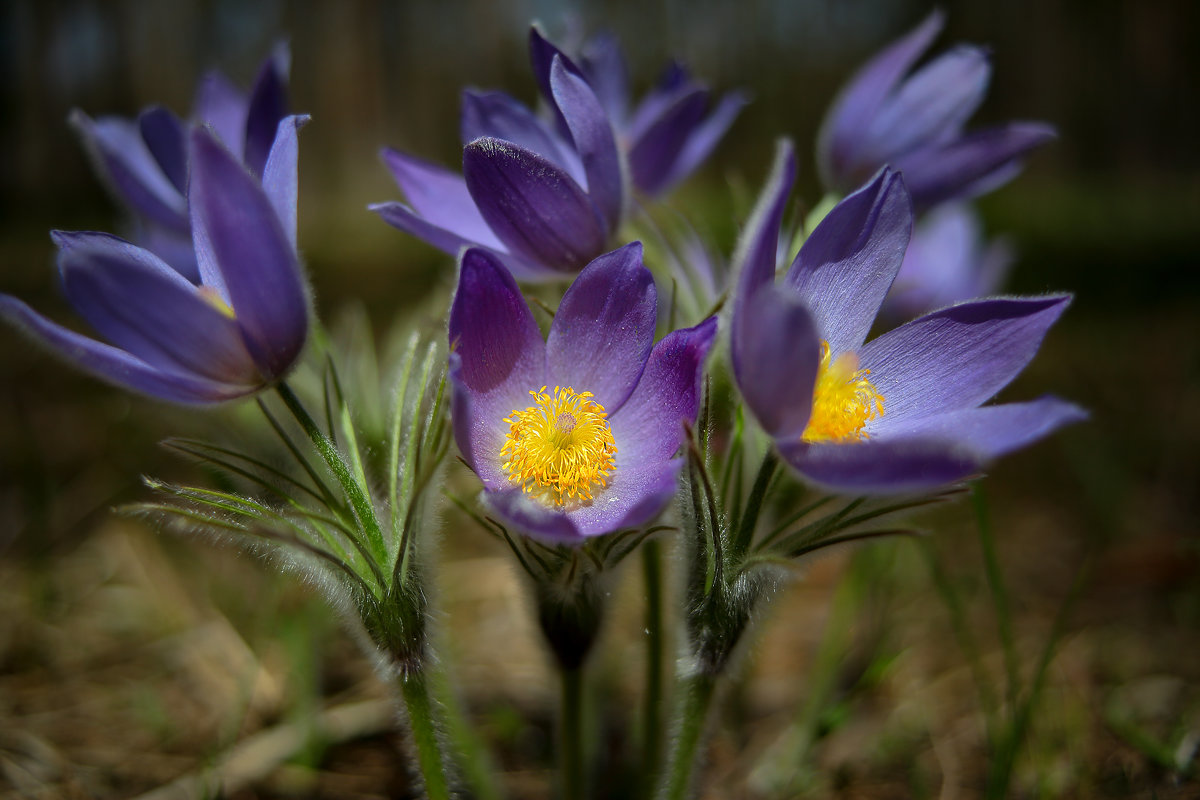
(560, 449)
(843, 400)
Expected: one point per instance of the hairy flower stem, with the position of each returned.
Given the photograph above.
(570, 735)
(695, 700)
(427, 738)
(655, 648)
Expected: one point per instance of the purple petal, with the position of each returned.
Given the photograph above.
(604, 65)
(594, 140)
(122, 158)
(993, 431)
(146, 308)
(649, 427)
(116, 366)
(267, 105)
(703, 140)
(957, 357)
(222, 106)
(847, 265)
(532, 205)
(881, 466)
(499, 116)
(441, 198)
(972, 164)
(172, 246)
(754, 260)
(542, 53)
(851, 113)
(162, 132)
(500, 358)
(776, 349)
(280, 176)
(604, 327)
(633, 497)
(244, 252)
(653, 154)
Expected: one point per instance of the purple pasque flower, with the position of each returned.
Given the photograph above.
(545, 204)
(576, 435)
(669, 132)
(947, 261)
(240, 329)
(903, 412)
(144, 160)
(914, 123)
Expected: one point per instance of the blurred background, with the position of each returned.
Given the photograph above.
(130, 657)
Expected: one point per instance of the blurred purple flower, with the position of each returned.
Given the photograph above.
(241, 329)
(574, 436)
(903, 412)
(144, 160)
(914, 123)
(947, 261)
(670, 131)
(545, 204)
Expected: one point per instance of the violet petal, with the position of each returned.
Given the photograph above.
(881, 466)
(440, 197)
(267, 105)
(280, 174)
(500, 116)
(162, 132)
(594, 140)
(222, 106)
(653, 154)
(994, 431)
(703, 140)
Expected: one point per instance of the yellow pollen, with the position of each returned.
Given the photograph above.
(214, 299)
(844, 400)
(560, 450)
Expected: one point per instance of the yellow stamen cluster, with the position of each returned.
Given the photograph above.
(560, 449)
(844, 400)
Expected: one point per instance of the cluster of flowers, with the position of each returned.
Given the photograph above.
(586, 432)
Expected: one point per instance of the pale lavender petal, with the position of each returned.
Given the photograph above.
(604, 65)
(499, 116)
(594, 140)
(267, 106)
(239, 237)
(280, 175)
(972, 164)
(776, 349)
(648, 428)
(957, 357)
(653, 154)
(532, 205)
(501, 358)
(930, 106)
(172, 246)
(703, 140)
(146, 308)
(122, 158)
(633, 497)
(223, 106)
(993, 431)
(853, 108)
(881, 466)
(441, 198)
(847, 265)
(604, 327)
(113, 365)
(162, 132)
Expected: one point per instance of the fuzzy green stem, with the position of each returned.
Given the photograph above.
(426, 734)
(570, 740)
(364, 512)
(758, 493)
(693, 701)
(655, 646)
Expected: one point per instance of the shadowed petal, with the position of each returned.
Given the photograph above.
(649, 426)
(223, 106)
(241, 243)
(993, 431)
(266, 107)
(532, 205)
(500, 116)
(957, 357)
(500, 357)
(703, 140)
(847, 265)
(879, 466)
(652, 156)
(116, 366)
(280, 176)
(604, 327)
(594, 140)
(441, 198)
(162, 132)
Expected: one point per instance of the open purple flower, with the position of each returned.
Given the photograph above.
(947, 261)
(914, 123)
(574, 436)
(144, 160)
(545, 204)
(240, 329)
(670, 131)
(900, 413)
